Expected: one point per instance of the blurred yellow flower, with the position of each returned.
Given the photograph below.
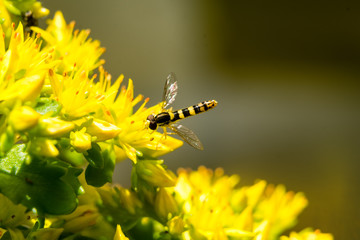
(176, 225)
(214, 208)
(11, 11)
(119, 235)
(165, 205)
(308, 234)
(23, 118)
(154, 173)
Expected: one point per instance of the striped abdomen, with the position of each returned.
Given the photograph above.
(165, 118)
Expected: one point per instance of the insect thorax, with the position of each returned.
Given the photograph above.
(162, 118)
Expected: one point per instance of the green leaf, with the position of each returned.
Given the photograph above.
(12, 215)
(38, 182)
(46, 233)
(16, 234)
(71, 177)
(94, 156)
(46, 105)
(99, 176)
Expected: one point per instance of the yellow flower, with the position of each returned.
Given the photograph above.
(74, 48)
(75, 94)
(118, 109)
(22, 67)
(279, 208)
(308, 234)
(80, 140)
(39, 11)
(213, 207)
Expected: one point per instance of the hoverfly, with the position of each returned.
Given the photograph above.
(29, 20)
(168, 118)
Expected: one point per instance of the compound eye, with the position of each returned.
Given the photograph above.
(152, 125)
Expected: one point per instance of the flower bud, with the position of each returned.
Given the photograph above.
(23, 118)
(44, 147)
(119, 235)
(82, 218)
(25, 89)
(176, 225)
(147, 192)
(102, 130)
(165, 204)
(39, 11)
(80, 140)
(129, 200)
(54, 127)
(154, 173)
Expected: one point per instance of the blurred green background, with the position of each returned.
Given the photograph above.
(286, 76)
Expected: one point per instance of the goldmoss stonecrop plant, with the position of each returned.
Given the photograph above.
(64, 124)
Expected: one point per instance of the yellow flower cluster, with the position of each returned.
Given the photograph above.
(54, 105)
(206, 204)
(92, 107)
(202, 204)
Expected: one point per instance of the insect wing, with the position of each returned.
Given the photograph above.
(170, 90)
(188, 135)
